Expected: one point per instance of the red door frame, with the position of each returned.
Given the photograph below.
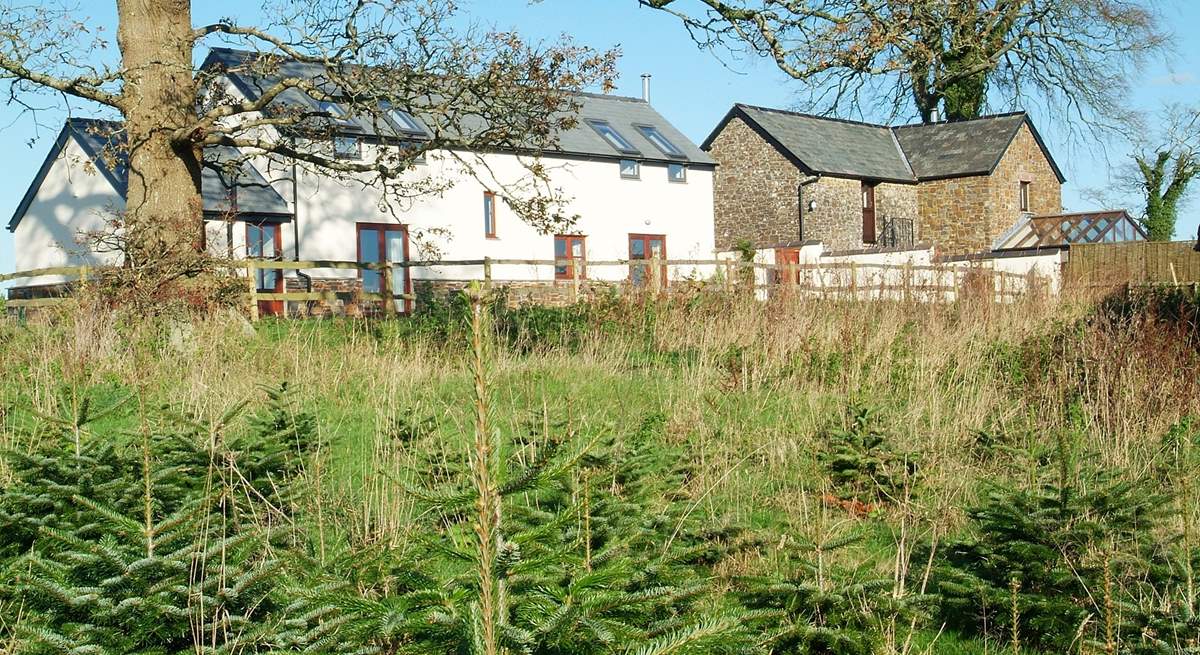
(383, 229)
(269, 307)
(645, 239)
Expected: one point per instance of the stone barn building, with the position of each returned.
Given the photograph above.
(785, 177)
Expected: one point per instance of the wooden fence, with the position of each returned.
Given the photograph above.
(1106, 265)
(836, 280)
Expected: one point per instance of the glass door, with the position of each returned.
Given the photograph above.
(379, 243)
(642, 248)
(264, 241)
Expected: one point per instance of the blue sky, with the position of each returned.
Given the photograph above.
(691, 88)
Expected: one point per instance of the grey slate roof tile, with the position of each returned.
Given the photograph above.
(835, 147)
(623, 113)
(225, 169)
(908, 153)
(961, 148)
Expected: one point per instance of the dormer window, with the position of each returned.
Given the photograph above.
(653, 135)
(612, 136)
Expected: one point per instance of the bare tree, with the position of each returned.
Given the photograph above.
(479, 91)
(958, 57)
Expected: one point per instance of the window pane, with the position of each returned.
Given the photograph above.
(637, 249)
(653, 135)
(489, 214)
(560, 252)
(254, 241)
(629, 168)
(577, 247)
(368, 253)
(656, 248)
(345, 147)
(676, 172)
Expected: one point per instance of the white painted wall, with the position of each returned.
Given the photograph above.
(74, 198)
(926, 278)
(450, 226)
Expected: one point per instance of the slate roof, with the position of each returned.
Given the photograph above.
(909, 153)
(103, 142)
(623, 113)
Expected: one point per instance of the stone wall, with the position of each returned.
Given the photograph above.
(836, 220)
(967, 214)
(754, 191)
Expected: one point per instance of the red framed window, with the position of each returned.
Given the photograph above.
(489, 214)
(379, 243)
(572, 247)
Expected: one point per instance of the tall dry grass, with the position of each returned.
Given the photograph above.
(749, 389)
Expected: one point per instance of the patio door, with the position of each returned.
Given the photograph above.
(265, 241)
(379, 243)
(643, 247)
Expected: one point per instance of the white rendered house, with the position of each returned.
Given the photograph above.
(640, 189)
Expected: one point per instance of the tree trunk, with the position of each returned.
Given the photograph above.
(163, 208)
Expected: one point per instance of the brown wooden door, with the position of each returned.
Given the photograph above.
(265, 241)
(868, 204)
(787, 259)
(643, 247)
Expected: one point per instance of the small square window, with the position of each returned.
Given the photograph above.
(677, 173)
(489, 214)
(347, 147)
(630, 169)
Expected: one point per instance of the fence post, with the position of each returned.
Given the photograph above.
(252, 281)
(853, 280)
(728, 275)
(487, 272)
(655, 275)
(575, 278)
(907, 282)
(385, 289)
(83, 278)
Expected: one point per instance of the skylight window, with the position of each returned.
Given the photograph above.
(336, 113)
(612, 136)
(653, 135)
(403, 119)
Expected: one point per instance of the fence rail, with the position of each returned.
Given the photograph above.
(850, 279)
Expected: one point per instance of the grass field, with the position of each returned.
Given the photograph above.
(749, 396)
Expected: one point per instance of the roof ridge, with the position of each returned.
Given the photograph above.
(987, 117)
(800, 114)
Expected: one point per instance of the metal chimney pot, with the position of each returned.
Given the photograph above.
(646, 87)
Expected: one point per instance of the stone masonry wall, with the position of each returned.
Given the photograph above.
(836, 220)
(754, 190)
(967, 214)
